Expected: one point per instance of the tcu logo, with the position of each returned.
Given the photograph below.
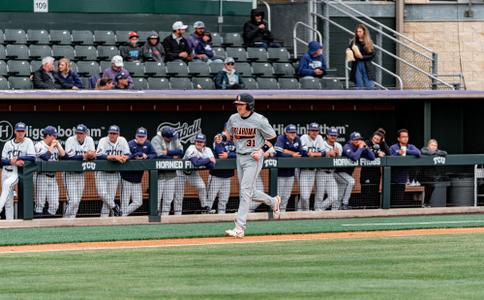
(86, 166)
(270, 163)
(439, 160)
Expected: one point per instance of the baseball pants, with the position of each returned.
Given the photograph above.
(46, 190)
(284, 189)
(345, 182)
(74, 184)
(326, 184)
(130, 191)
(166, 192)
(106, 186)
(197, 182)
(218, 186)
(179, 192)
(259, 185)
(9, 180)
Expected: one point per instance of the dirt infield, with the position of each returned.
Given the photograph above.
(226, 240)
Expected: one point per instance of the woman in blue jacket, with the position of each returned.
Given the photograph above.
(65, 77)
(312, 63)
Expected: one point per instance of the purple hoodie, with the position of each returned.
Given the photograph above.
(109, 72)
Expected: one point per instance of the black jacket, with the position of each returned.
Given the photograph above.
(153, 53)
(172, 48)
(68, 82)
(42, 80)
(222, 81)
(372, 175)
(252, 34)
(367, 59)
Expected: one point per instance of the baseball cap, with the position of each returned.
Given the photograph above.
(332, 131)
(168, 132)
(122, 75)
(141, 131)
(200, 137)
(20, 126)
(81, 128)
(179, 25)
(291, 128)
(49, 130)
(314, 127)
(198, 24)
(117, 60)
(355, 136)
(114, 129)
(132, 34)
(229, 60)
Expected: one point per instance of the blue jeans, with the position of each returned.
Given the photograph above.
(361, 77)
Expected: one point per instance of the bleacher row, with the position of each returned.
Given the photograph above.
(90, 53)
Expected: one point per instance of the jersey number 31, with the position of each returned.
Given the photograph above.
(250, 143)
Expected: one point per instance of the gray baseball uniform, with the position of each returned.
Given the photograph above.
(194, 178)
(249, 135)
(46, 187)
(307, 177)
(328, 184)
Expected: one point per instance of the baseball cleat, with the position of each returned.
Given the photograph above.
(208, 210)
(237, 233)
(116, 211)
(276, 211)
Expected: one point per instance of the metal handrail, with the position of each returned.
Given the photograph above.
(387, 52)
(295, 39)
(268, 8)
(347, 79)
(400, 81)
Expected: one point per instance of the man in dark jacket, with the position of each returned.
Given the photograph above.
(312, 63)
(229, 78)
(176, 46)
(44, 78)
(132, 51)
(256, 32)
(153, 50)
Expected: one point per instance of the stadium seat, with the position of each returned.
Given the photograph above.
(256, 54)
(20, 52)
(3, 68)
(250, 83)
(181, 83)
(203, 83)
(262, 70)
(239, 54)
(40, 51)
(85, 82)
(38, 37)
(122, 37)
(198, 69)
(74, 67)
(217, 39)
(244, 69)
(310, 83)
(60, 37)
(20, 83)
(107, 52)
(233, 39)
(140, 83)
(267, 84)
(104, 65)
(82, 37)
(278, 54)
(219, 52)
(155, 69)
(143, 35)
(2, 37)
(289, 84)
(63, 51)
(136, 69)
(19, 68)
(159, 84)
(3, 55)
(15, 36)
(86, 52)
(4, 85)
(88, 68)
(215, 67)
(35, 65)
(178, 69)
(331, 84)
(283, 70)
(164, 34)
(104, 37)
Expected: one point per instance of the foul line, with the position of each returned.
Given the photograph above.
(413, 223)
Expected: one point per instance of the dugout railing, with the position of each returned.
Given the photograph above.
(433, 167)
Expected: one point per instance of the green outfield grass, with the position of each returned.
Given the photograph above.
(421, 267)
(28, 236)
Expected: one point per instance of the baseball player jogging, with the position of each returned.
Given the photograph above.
(78, 147)
(113, 148)
(200, 156)
(49, 149)
(140, 149)
(219, 180)
(167, 146)
(250, 131)
(14, 154)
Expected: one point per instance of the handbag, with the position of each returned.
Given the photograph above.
(350, 57)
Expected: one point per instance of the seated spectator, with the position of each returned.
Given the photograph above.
(153, 50)
(44, 78)
(256, 32)
(229, 78)
(203, 51)
(104, 84)
(176, 46)
(403, 148)
(121, 81)
(196, 36)
(131, 52)
(433, 149)
(65, 77)
(312, 63)
(117, 67)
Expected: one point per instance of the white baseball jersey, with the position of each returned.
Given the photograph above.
(120, 147)
(192, 152)
(249, 134)
(75, 148)
(12, 149)
(336, 146)
(310, 145)
(41, 148)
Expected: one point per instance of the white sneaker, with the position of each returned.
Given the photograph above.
(237, 232)
(276, 211)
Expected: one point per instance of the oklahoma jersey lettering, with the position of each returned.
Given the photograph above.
(249, 134)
